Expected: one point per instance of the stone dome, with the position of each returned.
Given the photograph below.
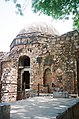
(27, 34)
(39, 27)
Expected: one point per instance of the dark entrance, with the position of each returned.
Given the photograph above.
(26, 80)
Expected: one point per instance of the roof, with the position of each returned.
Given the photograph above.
(29, 33)
(39, 27)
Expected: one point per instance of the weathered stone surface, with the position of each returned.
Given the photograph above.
(45, 108)
(60, 94)
(46, 54)
(4, 111)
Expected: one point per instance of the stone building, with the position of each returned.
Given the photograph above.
(39, 55)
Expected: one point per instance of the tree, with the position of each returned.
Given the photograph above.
(58, 9)
(18, 6)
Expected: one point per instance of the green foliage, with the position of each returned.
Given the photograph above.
(39, 60)
(58, 9)
(48, 60)
(18, 6)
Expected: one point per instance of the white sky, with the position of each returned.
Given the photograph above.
(11, 23)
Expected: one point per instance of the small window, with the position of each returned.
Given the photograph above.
(24, 61)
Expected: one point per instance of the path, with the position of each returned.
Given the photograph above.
(40, 107)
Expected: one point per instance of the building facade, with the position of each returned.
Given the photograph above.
(39, 55)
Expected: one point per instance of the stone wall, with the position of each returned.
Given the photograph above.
(71, 113)
(9, 82)
(3, 57)
(55, 53)
(4, 111)
(61, 59)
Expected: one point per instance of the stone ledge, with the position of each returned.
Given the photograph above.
(45, 107)
(70, 113)
(60, 94)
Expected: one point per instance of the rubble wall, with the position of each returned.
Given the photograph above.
(56, 53)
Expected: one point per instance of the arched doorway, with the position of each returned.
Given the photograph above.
(23, 80)
(26, 80)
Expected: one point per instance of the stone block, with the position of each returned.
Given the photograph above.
(60, 94)
(70, 113)
(4, 111)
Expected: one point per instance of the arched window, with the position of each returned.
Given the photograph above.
(24, 61)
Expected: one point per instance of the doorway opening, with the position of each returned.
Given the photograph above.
(26, 80)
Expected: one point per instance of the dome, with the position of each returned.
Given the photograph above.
(29, 33)
(39, 27)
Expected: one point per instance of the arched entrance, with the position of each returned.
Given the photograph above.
(23, 81)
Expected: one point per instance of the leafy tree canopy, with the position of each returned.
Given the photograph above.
(17, 5)
(58, 9)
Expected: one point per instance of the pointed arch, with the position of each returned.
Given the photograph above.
(46, 76)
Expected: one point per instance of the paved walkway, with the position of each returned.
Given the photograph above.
(40, 107)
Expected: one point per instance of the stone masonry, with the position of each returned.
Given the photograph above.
(39, 55)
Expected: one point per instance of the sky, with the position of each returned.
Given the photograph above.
(11, 23)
